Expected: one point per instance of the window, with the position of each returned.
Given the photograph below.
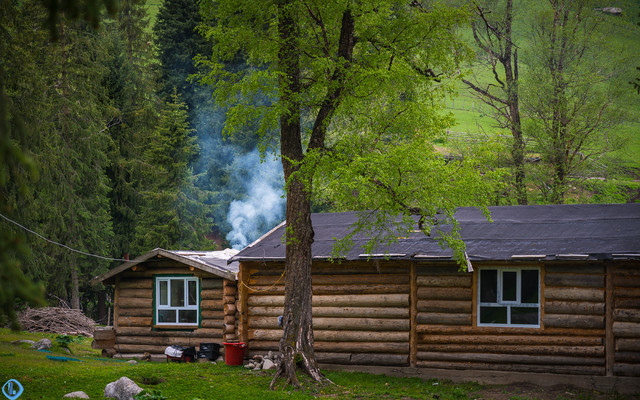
(509, 297)
(177, 300)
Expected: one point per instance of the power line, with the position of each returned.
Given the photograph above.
(60, 244)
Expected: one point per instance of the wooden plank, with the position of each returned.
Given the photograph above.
(574, 321)
(427, 293)
(443, 319)
(511, 358)
(575, 351)
(104, 334)
(508, 340)
(574, 294)
(445, 306)
(574, 280)
(445, 281)
(572, 307)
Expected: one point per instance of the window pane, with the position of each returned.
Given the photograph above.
(177, 293)
(493, 315)
(488, 286)
(509, 286)
(188, 316)
(524, 315)
(529, 287)
(166, 316)
(164, 293)
(193, 293)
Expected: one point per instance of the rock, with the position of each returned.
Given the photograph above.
(66, 350)
(270, 354)
(42, 344)
(76, 395)
(122, 389)
(250, 365)
(27, 341)
(132, 362)
(268, 364)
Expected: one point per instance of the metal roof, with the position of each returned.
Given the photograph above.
(213, 262)
(582, 231)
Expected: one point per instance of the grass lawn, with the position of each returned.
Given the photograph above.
(43, 378)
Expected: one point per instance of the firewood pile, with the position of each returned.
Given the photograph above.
(64, 321)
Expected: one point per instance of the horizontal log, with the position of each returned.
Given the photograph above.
(521, 340)
(626, 315)
(229, 290)
(211, 304)
(322, 323)
(574, 280)
(104, 334)
(427, 293)
(568, 307)
(390, 300)
(140, 293)
(136, 312)
(152, 272)
(574, 321)
(630, 357)
(575, 351)
(133, 302)
(337, 289)
(363, 359)
(509, 358)
(211, 283)
(626, 281)
(574, 268)
(228, 328)
(443, 319)
(212, 314)
(356, 279)
(629, 292)
(424, 268)
(134, 321)
(212, 323)
(445, 306)
(445, 281)
(628, 268)
(147, 331)
(211, 294)
(103, 344)
(140, 348)
(558, 369)
(229, 309)
(629, 303)
(135, 284)
(626, 329)
(229, 319)
(362, 347)
(353, 312)
(335, 336)
(163, 340)
(622, 369)
(627, 344)
(507, 331)
(575, 294)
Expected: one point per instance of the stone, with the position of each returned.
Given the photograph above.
(42, 344)
(76, 395)
(122, 389)
(268, 364)
(132, 362)
(270, 354)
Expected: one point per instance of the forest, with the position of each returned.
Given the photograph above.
(119, 137)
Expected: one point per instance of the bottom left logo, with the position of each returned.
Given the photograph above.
(12, 389)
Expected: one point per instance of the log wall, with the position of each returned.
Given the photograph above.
(133, 314)
(625, 325)
(361, 311)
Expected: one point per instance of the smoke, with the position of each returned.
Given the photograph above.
(263, 205)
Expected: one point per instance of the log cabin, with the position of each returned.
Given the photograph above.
(165, 298)
(553, 296)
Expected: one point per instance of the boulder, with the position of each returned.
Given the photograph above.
(76, 395)
(268, 364)
(42, 344)
(122, 389)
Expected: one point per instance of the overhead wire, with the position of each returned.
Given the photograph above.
(60, 244)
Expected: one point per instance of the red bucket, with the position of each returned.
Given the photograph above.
(234, 353)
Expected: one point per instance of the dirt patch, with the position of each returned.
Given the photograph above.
(528, 391)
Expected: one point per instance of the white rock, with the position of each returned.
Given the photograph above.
(77, 395)
(268, 364)
(122, 389)
(42, 344)
(132, 362)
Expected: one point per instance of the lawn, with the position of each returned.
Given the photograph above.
(43, 378)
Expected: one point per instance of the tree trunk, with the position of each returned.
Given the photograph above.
(296, 344)
(75, 289)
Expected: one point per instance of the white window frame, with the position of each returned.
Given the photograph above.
(505, 303)
(187, 307)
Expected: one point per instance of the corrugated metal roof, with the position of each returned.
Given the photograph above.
(585, 231)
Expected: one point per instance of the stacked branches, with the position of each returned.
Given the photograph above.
(56, 320)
